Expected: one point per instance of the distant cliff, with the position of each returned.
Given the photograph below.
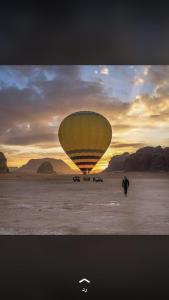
(46, 168)
(117, 162)
(144, 159)
(3, 164)
(59, 166)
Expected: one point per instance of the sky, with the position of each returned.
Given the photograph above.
(35, 99)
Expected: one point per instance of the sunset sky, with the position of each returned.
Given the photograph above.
(35, 99)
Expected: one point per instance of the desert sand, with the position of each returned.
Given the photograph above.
(51, 204)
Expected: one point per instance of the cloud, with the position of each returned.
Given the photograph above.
(121, 127)
(58, 97)
(104, 71)
(154, 116)
(158, 74)
(146, 70)
(137, 80)
(31, 139)
(127, 145)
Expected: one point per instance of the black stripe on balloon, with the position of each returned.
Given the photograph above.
(85, 163)
(85, 157)
(85, 169)
(85, 150)
(85, 113)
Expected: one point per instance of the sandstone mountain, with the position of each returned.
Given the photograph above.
(3, 164)
(144, 159)
(59, 166)
(45, 168)
(117, 162)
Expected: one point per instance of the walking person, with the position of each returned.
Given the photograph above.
(125, 185)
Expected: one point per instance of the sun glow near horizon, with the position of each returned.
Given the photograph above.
(20, 159)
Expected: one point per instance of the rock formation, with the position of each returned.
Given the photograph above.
(59, 166)
(45, 168)
(145, 159)
(3, 164)
(117, 162)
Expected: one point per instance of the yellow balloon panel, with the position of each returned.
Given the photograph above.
(85, 136)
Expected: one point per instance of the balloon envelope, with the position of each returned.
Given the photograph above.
(85, 136)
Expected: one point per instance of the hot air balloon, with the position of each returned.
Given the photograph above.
(85, 136)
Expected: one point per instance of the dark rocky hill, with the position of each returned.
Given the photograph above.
(117, 162)
(144, 159)
(46, 168)
(3, 164)
(59, 166)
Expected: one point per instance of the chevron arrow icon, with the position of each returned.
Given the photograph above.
(84, 280)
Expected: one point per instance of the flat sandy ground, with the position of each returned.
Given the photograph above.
(53, 204)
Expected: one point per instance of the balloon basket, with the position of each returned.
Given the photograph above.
(86, 178)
